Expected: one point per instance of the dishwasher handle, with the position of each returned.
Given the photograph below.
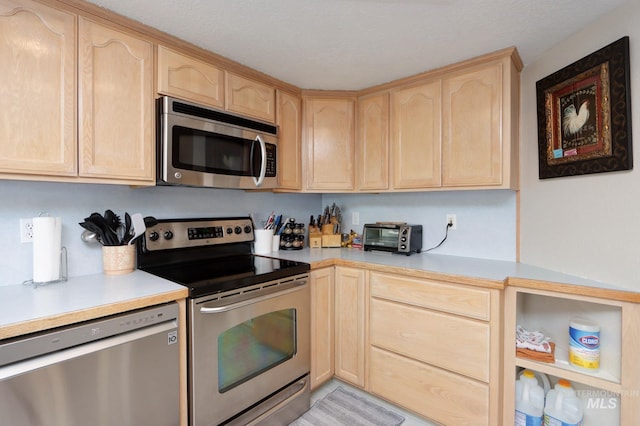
(31, 364)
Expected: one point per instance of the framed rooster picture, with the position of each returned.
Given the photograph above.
(584, 115)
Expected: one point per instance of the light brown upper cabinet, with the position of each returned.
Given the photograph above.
(38, 101)
(190, 79)
(250, 97)
(479, 126)
(116, 104)
(372, 142)
(329, 143)
(289, 121)
(415, 136)
(81, 104)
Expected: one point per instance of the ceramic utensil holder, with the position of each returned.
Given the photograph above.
(263, 241)
(118, 260)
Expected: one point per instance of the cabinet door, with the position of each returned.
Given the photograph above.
(190, 79)
(350, 325)
(116, 104)
(38, 101)
(288, 119)
(249, 97)
(372, 142)
(329, 143)
(415, 136)
(322, 312)
(472, 144)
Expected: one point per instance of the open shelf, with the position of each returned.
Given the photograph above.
(600, 379)
(601, 406)
(610, 393)
(552, 314)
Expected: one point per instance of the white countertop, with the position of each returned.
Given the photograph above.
(26, 304)
(496, 270)
(25, 309)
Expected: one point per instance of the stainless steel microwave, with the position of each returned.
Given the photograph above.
(203, 147)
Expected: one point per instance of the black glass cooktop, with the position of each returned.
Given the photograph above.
(209, 276)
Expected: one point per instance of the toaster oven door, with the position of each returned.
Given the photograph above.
(381, 238)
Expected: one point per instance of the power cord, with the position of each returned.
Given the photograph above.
(446, 234)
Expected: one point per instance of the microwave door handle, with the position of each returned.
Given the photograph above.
(263, 166)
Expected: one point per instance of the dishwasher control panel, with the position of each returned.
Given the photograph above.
(40, 343)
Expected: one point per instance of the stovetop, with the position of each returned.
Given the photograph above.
(209, 256)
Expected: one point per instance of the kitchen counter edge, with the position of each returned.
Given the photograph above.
(26, 309)
(487, 273)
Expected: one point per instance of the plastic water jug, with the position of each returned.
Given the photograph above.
(529, 400)
(563, 407)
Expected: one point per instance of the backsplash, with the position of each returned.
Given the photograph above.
(486, 219)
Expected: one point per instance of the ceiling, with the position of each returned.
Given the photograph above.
(354, 44)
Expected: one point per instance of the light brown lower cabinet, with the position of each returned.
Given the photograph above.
(322, 325)
(350, 331)
(435, 347)
(431, 347)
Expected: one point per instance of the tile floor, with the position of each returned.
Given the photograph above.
(410, 418)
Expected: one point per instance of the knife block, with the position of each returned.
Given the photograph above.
(332, 240)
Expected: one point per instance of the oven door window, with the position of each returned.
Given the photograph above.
(215, 153)
(255, 346)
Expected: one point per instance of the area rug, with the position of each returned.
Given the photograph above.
(345, 408)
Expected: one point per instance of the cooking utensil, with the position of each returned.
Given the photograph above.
(150, 221)
(138, 223)
(89, 237)
(127, 223)
(93, 227)
(109, 237)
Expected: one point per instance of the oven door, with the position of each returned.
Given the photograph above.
(246, 347)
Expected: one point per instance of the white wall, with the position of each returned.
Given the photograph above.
(74, 202)
(486, 220)
(582, 225)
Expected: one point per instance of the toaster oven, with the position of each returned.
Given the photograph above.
(392, 237)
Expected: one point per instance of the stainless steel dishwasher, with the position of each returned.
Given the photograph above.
(118, 370)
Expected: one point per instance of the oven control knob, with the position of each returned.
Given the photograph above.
(238, 230)
(247, 229)
(403, 239)
(403, 246)
(154, 236)
(229, 230)
(168, 235)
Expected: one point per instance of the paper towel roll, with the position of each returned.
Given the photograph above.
(47, 244)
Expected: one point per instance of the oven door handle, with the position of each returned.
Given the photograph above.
(225, 308)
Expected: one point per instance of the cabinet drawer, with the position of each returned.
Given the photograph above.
(457, 344)
(459, 300)
(439, 395)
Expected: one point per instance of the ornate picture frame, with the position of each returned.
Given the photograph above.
(584, 115)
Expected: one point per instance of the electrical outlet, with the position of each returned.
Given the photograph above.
(451, 220)
(355, 218)
(26, 230)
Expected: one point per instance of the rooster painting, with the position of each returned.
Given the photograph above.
(572, 122)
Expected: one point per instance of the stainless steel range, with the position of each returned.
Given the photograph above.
(248, 320)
